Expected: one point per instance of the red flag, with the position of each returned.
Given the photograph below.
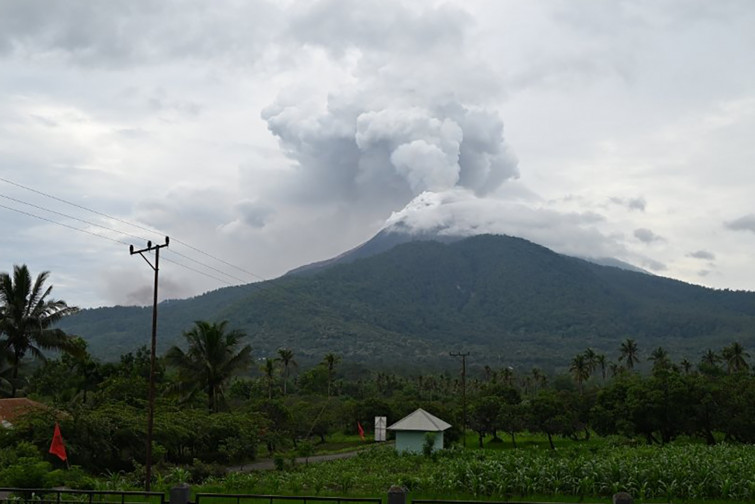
(361, 430)
(57, 447)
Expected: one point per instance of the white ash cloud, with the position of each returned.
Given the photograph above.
(395, 127)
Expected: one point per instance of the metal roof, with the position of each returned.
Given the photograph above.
(420, 420)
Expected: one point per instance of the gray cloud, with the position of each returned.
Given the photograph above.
(702, 254)
(653, 265)
(745, 223)
(381, 26)
(253, 214)
(112, 34)
(646, 235)
(631, 203)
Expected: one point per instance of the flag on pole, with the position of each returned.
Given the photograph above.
(361, 430)
(57, 447)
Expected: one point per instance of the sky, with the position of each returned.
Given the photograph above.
(264, 135)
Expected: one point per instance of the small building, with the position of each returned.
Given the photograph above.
(13, 408)
(411, 430)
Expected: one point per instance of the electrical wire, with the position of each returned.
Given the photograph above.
(138, 226)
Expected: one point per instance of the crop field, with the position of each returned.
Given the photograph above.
(673, 473)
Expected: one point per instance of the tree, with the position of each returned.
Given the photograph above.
(602, 363)
(330, 360)
(735, 357)
(27, 317)
(660, 359)
(580, 369)
(629, 353)
(268, 370)
(211, 360)
(484, 415)
(709, 360)
(286, 358)
(591, 358)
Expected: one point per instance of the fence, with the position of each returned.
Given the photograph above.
(180, 495)
(66, 496)
(207, 498)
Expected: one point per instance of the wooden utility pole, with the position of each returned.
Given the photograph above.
(463, 392)
(152, 363)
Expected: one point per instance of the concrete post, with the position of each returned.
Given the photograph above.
(620, 498)
(396, 495)
(180, 494)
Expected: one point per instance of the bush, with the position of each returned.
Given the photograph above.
(28, 472)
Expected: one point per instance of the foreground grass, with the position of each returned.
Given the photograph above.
(675, 473)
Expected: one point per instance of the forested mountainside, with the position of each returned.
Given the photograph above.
(506, 300)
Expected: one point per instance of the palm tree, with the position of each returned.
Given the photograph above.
(591, 358)
(27, 317)
(286, 357)
(629, 353)
(211, 360)
(580, 370)
(268, 369)
(330, 360)
(660, 360)
(602, 364)
(710, 359)
(735, 357)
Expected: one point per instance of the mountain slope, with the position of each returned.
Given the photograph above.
(507, 300)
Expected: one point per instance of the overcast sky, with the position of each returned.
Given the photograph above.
(273, 134)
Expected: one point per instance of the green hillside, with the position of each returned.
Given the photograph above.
(506, 300)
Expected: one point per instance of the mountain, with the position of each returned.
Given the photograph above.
(384, 241)
(506, 300)
(399, 234)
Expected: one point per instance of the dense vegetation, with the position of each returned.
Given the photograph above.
(634, 419)
(677, 432)
(492, 295)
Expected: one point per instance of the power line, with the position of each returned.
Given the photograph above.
(61, 224)
(257, 286)
(138, 226)
(121, 242)
(44, 209)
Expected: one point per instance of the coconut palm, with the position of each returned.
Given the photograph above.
(629, 353)
(26, 319)
(580, 370)
(210, 361)
(735, 357)
(602, 363)
(710, 359)
(286, 358)
(591, 358)
(659, 358)
(330, 360)
(268, 371)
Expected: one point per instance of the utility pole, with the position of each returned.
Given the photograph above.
(463, 392)
(151, 400)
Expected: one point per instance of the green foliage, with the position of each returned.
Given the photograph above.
(212, 359)
(428, 444)
(673, 473)
(27, 472)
